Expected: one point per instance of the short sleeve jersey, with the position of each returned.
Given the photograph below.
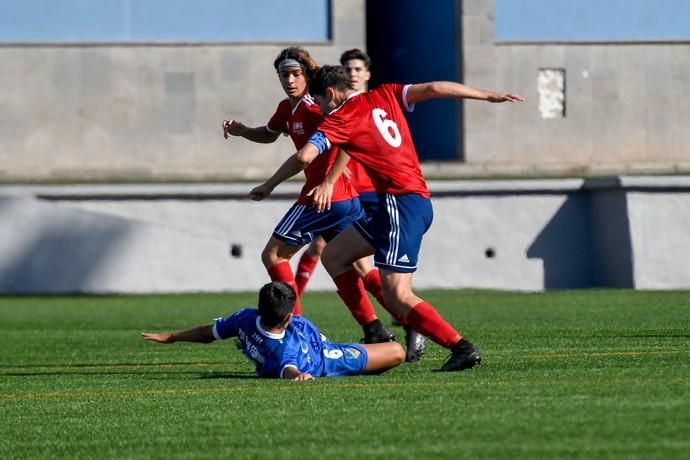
(372, 128)
(300, 123)
(300, 345)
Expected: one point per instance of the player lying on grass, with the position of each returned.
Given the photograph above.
(283, 345)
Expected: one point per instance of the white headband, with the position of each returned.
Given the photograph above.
(285, 63)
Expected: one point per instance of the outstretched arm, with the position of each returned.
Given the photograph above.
(201, 334)
(452, 90)
(296, 163)
(260, 134)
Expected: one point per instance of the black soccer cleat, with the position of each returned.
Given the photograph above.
(376, 332)
(464, 355)
(415, 344)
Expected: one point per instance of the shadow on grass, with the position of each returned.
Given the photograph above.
(228, 375)
(148, 370)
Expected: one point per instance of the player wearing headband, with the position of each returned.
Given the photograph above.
(298, 116)
(358, 66)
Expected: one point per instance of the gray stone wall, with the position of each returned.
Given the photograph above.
(147, 111)
(626, 106)
(153, 112)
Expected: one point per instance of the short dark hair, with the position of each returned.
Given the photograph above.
(329, 76)
(276, 301)
(355, 53)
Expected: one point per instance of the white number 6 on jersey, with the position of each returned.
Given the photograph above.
(388, 129)
(333, 354)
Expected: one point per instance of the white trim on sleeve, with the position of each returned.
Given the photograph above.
(408, 107)
(215, 332)
(282, 371)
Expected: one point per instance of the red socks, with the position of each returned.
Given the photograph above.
(425, 319)
(372, 283)
(351, 290)
(305, 268)
(283, 272)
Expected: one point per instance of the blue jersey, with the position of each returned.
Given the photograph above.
(301, 346)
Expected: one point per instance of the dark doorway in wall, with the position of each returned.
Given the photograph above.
(413, 42)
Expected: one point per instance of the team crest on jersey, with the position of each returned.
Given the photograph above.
(352, 353)
(298, 127)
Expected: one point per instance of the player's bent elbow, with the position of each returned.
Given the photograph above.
(303, 159)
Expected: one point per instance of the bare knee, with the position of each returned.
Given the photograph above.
(268, 256)
(397, 354)
(316, 247)
(362, 266)
(276, 252)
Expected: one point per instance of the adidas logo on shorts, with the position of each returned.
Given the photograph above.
(404, 259)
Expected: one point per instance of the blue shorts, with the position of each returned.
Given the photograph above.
(302, 223)
(344, 359)
(396, 230)
(369, 202)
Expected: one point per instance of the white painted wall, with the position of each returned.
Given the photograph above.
(544, 235)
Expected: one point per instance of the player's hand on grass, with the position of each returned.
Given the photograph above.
(160, 338)
(261, 192)
(504, 97)
(322, 195)
(232, 128)
(303, 376)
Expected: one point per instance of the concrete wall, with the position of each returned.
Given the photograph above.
(626, 104)
(147, 111)
(521, 235)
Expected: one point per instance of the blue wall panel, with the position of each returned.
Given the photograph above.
(409, 42)
(48, 21)
(592, 20)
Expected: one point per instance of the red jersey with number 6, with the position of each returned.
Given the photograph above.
(300, 123)
(372, 128)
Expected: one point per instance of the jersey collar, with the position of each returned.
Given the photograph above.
(349, 96)
(270, 335)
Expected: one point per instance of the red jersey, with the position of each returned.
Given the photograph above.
(372, 128)
(359, 178)
(300, 123)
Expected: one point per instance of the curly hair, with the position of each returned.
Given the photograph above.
(300, 55)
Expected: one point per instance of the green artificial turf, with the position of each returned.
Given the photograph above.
(579, 374)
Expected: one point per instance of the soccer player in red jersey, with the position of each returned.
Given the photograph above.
(372, 129)
(357, 63)
(298, 116)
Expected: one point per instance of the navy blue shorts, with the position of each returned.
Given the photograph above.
(301, 224)
(344, 359)
(396, 230)
(369, 202)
